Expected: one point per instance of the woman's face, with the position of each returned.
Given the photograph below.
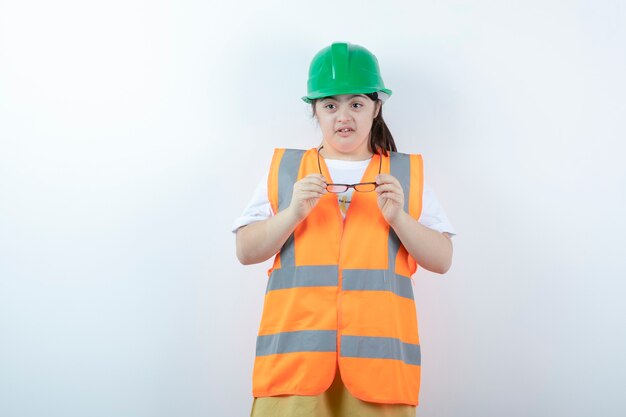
(346, 122)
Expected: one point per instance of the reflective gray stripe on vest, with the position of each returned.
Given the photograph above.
(380, 348)
(400, 168)
(377, 280)
(303, 276)
(287, 177)
(299, 341)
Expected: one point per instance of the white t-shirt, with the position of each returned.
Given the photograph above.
(345, 172)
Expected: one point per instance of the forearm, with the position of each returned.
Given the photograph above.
(260, 240)
(430, 249)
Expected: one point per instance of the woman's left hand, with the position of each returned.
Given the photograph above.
(390, 197)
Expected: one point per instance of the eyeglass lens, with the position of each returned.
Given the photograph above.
(339, 188)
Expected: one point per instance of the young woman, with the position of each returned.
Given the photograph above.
(348, 221)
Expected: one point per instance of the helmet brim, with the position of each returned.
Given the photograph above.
(357, 90)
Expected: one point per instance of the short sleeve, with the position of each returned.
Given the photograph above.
(433, 215)
(258, 208)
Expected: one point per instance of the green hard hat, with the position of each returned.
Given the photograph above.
(343, 68)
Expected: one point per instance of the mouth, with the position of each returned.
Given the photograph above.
(345, 130)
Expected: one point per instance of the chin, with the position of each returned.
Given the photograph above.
(344, 149)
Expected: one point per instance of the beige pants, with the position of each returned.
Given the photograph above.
(336, 401)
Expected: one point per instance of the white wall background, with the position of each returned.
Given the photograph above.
(132, 133)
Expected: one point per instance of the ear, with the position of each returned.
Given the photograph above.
(378, 106)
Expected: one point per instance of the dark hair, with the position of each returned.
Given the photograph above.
(380, 136)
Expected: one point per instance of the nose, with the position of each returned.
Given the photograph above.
(343, 114)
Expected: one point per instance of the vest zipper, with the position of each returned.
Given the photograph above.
(343, 220)
(340, 277)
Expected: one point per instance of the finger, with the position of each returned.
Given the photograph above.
(391, 196)
(387, 187)
(314, 180)
(319, 182)
(316, 176)
(310, 195)
(313, 187)
(386, 178)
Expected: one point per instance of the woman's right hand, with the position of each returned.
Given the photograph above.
(306, 194)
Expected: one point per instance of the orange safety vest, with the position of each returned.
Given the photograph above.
(340, 291)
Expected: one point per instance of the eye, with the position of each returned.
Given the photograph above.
(357, 104)
(326, 106)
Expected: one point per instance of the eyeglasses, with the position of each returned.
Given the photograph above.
(362, 187)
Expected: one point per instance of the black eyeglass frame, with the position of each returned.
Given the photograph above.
(380, 165)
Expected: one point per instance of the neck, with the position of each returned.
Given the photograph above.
(357, 156)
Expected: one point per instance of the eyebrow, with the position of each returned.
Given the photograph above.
(349, 98)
